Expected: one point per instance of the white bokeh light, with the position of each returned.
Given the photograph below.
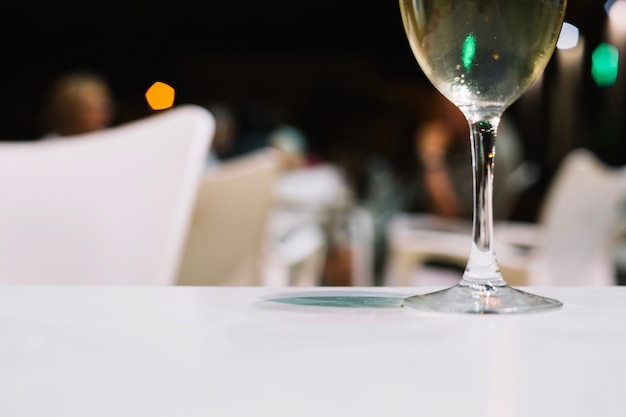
(616, 9)
(568, 37)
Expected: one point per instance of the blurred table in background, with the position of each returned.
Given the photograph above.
(321, 194)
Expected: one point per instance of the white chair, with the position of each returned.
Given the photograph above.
(106, 208)
(233, 239)
(226, 236)
(573, 242)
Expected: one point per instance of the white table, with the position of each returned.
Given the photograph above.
(186, 352)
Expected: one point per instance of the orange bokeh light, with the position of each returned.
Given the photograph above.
(160, 96)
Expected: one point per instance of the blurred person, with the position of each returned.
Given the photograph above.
(442, 149)
(257, 125)
(293, 144)
(431, 170)
(255, 122)
(230, 141)
(78, 102)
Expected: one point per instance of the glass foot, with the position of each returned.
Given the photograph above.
(481, 299)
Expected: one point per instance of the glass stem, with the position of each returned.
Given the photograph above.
(482, 268)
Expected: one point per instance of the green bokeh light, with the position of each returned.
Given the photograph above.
(604, 65)
(469, 50)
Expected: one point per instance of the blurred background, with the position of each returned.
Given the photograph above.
(342, 72)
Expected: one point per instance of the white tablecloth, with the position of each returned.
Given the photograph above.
(187, 352)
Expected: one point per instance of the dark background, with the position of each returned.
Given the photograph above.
(342, 69)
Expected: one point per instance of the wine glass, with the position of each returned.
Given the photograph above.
(482, 55)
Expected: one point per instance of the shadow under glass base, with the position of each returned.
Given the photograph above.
(481, 299)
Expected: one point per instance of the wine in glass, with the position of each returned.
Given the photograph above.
(482, 55)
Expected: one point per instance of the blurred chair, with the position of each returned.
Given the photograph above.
(573, 242)
(230, 241)
(227, 233)
(109, 207)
